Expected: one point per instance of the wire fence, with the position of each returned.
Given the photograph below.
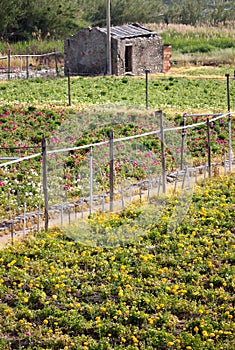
(113, 173)
(30, 65)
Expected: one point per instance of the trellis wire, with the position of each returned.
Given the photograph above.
(90, 146)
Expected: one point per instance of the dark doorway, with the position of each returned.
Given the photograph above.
(128, 58)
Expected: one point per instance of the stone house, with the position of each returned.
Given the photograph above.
(134, 49)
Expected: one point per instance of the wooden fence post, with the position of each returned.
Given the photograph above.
(27, 63)
(56, 63)
(24, 225)
(182, 142)
(9, 65)
(91, 179)
(147, 88)
(69, 88)
(209, 146)
(159, 113)
(44, 179)
(230, 151)
(111, 170)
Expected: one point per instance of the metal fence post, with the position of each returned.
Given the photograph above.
(111, 170)
(44, 179)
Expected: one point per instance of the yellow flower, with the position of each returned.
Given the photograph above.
(210, 264)
(119, 312)
(45, 322)
(128, 286)
(11, 263)
(123, 340)
(170, 343)
(134, 339)
(120, 294)
(7, 311)
(150, 320)
(25, 300)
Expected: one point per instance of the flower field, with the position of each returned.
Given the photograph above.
(170, 287)
(167, 290)
(22, 129)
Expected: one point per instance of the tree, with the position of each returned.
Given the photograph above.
(221, 11)
(123, 11)
(184, 11)
(10, 11)
(42, 18)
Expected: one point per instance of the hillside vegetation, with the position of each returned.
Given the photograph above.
(22, 20)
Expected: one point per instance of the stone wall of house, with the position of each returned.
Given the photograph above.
(85, 53)
(147, 53)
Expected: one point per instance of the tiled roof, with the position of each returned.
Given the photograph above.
(128, 31)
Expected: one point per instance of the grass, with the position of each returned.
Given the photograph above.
(32, 47)
(167, 290)
(199, 45)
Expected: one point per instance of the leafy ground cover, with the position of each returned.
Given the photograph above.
(168, 93)
(167, 290)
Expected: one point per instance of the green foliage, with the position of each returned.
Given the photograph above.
(167, 290)
(39, 20)
(182, 93)
(183, 36)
